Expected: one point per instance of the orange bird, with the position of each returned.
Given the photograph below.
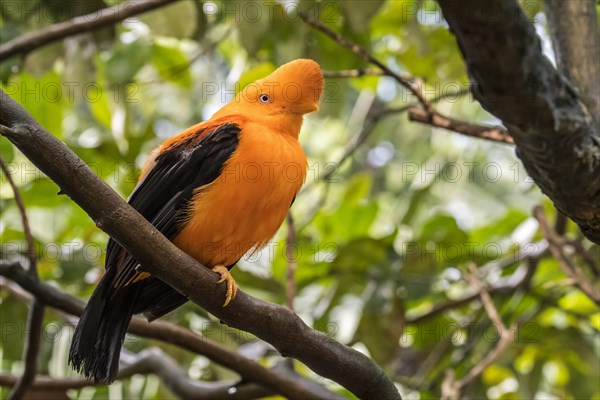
(217, 190)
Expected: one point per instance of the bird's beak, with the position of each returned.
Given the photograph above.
(308, 107)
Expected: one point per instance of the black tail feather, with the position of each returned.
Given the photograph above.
(99, 335)
(158, 299)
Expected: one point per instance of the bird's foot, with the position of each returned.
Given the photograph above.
(226, 277)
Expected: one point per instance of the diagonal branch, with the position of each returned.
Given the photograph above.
(408, 83)
(492, 133)
(353, 73)
(167, 332)
(155, 361)
(552, 128)
(556, 244)
(275, 324)
(35, 317)
(425, 113)
(576, 43)
(85, 23)
(451, 388)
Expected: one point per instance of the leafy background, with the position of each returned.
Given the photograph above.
(380, 243)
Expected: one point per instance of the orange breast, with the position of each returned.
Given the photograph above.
(244, 207)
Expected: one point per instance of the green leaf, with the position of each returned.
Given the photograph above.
(101, 110)
(178, 19)
(44, 98)
(442, 228)
(381, 325)
(42, 193)
(171, 63)
(7, 151)
(595, 321)
(355, 202)
(125, 60)
(359, 255)
(578, 302)
(254, 24)
(495, 374)
(359, 13)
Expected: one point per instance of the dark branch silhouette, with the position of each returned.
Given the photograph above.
(36, 312)
(155, 361)
(273, 323)
(104, 17)
(493, 133)
(167, 332)
(574, 31)
(555, 135)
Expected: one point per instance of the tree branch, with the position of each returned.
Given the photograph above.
(275, 324)
(35, 317)
(508, 285)
(493, 133)
(353, 73)
(451, 388)
(167, 332)
(556, 139)
(85, 23)
(155, 361)
(556, 243)
(576, 43)
(407, 82)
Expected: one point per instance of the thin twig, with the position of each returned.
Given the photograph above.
(451, 388)
(442, 96)
(35, 321)
(31, 257)
(407, 82)
(85, 23)
(275, 324)
(560, 226)
(585, 256)
(502, 289)
(513, 80)
(493, 133)
(290, 255)
(36, 313)
(248, 369)
(486, 299)
(425, 113)
(561, 222)
(556, 243)
(353, 73)
(180, 68)
(155, 361)
(374, 115)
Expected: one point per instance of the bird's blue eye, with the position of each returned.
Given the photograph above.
(264, 98)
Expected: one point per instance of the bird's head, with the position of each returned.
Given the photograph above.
(292, 90)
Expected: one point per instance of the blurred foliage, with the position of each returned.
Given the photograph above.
(379, 245)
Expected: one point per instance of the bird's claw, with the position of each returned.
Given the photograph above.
(231, 286)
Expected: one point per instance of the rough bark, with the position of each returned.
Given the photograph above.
(273, 323)
(576, 43)
(552, 128)
(104, 17)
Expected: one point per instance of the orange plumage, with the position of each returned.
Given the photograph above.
(218, 190)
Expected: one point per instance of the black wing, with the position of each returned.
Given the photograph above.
(164, 194)
(161, 197)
